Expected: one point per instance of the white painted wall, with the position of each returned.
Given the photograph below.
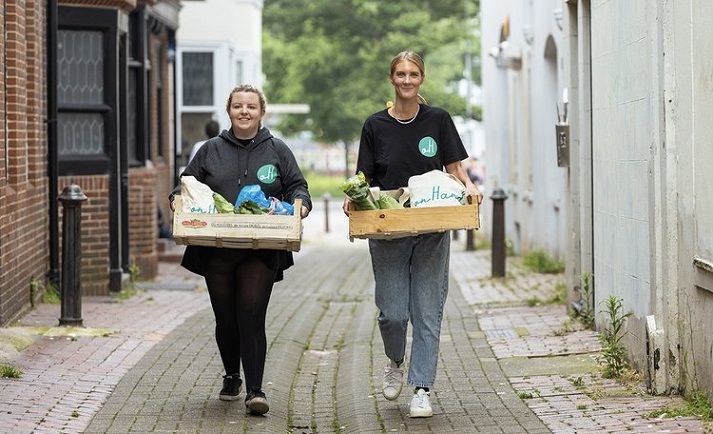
(626, 130)
(523, 79)
(651, 97)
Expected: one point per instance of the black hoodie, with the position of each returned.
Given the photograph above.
(226, 165)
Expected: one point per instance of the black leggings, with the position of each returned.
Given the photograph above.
(239, 299)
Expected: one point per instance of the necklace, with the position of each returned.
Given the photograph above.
(410, 120)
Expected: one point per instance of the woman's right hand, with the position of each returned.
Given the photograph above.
(345, 206)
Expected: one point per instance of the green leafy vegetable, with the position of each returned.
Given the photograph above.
(388, 202)
(250, 207)
(357, 189)
(222, 205)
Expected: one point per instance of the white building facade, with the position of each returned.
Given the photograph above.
(218, 46)
(523, 76)
(637, 207)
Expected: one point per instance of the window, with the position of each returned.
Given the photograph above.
(157, 66)
(197, 79)
(80, 90)
(86, 103)
(239, 72)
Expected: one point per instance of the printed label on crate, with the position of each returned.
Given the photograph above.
(194, 223)
(200, 224)
(251, 225)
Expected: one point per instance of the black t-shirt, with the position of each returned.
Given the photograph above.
(391, 152)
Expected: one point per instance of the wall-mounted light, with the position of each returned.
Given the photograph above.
(559, 17)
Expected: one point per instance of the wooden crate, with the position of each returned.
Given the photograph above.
(384, 224)
(238, 231)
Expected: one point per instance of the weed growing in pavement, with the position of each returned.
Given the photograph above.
(586, 314)
(613, 352)
(50, 293)
(509, 248)
(559, 295)
(697, 404)
(134, 273)
(8, 371)
(533, 301)
(570, 325)
(540, 262)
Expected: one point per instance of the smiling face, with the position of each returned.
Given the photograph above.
(245, 110)
(407, 77)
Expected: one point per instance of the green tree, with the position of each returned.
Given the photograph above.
(334, 55)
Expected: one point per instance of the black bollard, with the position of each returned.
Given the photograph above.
(470, 240)
(326, 212)
(498, 245)
(71, 291)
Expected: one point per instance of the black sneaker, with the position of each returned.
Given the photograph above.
(231, 387)
(256, 403)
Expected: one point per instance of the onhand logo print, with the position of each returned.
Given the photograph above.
(428, 146)
(267, 174)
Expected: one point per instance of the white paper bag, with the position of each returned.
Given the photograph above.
(196, 196)
(436, 188)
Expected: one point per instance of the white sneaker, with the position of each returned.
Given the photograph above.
(421, 404)
(393, 381)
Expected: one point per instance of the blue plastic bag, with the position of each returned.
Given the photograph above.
(254, 193)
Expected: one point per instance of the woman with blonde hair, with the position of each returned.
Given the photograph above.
(411, 274)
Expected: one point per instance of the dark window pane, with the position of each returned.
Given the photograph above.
(80, 134)
(80, 62)
(80, 83)
(197, 79)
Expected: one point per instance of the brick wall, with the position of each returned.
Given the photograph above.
(143, 221)
(24, 186)
(24, 230)
(94, 231)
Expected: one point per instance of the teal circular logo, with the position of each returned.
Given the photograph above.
(267, 174)
(428, 146)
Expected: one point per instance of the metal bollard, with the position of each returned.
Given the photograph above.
(326, 196)
(71, 291)
(470, 240)
(498, 244)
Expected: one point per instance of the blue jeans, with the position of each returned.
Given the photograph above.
(411, 277)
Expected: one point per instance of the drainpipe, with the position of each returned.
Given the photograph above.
(52, 164)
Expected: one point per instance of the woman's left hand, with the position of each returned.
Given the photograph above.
(473, 190)
(304, 212)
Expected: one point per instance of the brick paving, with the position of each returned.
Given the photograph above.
(509, 362)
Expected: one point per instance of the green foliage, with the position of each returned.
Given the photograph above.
(586, 314)
(8, 371)
(134, 273)
(613, 352)
(321, 184)
(509, 248)
(50, 293)
(559, 295)
(540, 262)
(525, 395)
(335, 57)
(698, 404)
